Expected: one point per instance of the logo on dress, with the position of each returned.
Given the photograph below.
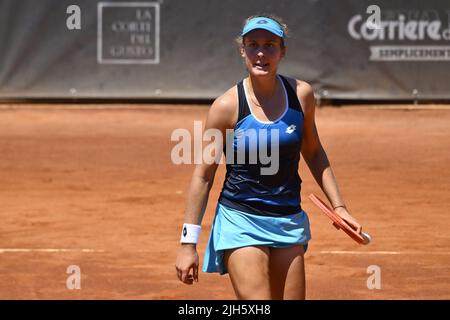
(291, 128)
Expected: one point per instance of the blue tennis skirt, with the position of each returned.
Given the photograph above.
(232, 228)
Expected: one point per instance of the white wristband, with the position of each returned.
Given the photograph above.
(190, 233)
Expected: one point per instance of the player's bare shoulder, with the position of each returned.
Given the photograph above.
(225, 108)
(305, 94)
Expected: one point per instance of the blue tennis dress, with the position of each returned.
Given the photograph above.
(260, 199)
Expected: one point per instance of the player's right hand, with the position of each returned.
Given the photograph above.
(187, 259)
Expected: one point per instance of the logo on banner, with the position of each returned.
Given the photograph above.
(401, 35)
(128, 33)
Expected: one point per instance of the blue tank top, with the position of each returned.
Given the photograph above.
(247, 187)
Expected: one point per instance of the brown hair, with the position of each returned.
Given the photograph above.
(240, 41)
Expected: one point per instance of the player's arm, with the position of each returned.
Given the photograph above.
(316, 157)
(221, 116)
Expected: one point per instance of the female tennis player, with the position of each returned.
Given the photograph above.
(260, 232)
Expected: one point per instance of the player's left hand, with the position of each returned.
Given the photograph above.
(344, 214)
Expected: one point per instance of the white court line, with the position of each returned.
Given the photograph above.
(385, 252)
(24, 250)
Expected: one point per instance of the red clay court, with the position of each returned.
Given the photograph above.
(94, 186)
